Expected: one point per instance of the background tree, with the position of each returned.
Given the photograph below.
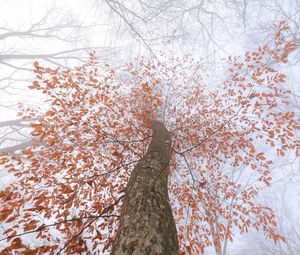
(71, 180)
(24, 41)
(205, 28)
(286, 216)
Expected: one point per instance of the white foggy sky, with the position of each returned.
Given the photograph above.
(21, 14)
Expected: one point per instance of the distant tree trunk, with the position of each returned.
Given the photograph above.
(147, 225)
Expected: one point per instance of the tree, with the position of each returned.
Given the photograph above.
(146, 223)
(287, 219)
(72, 181)
(20, 46)
(209, 27)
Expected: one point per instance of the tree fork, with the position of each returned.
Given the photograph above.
(147, 225)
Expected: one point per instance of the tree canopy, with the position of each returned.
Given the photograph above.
(70, 182)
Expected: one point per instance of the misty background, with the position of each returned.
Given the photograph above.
(62, 33)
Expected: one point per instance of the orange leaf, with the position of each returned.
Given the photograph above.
(260, 156)
(4, 214)
(117, 154)
(36, 64)
(49, 113)
(146, 88)
(27, 152)
(281, 77)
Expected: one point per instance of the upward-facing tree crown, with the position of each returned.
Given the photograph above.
(70, 183)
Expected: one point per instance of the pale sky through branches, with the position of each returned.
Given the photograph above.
(63, 33)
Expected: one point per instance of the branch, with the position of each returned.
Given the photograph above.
(17, 122)
(94, 217)
(131, 27)
(20, 146)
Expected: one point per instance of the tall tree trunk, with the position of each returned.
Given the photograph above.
(147, 225)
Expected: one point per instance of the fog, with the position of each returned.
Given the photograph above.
(62, 33)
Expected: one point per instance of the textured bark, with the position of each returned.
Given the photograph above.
(147, 225)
